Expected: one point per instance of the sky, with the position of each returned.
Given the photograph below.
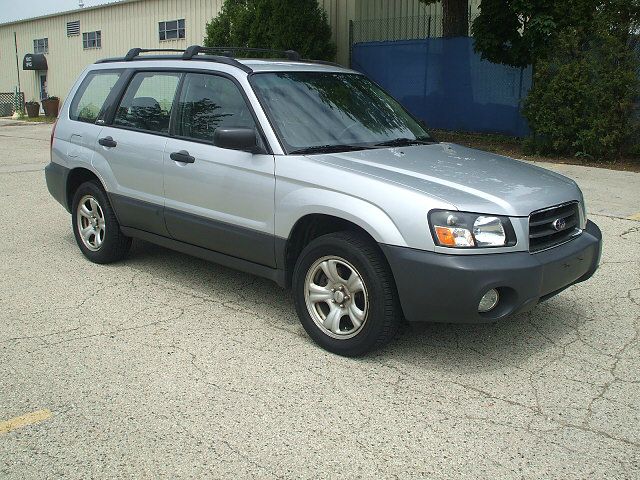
(18, 9)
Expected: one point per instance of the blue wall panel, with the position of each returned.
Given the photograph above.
(444, 82)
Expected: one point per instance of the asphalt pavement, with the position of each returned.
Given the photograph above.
(168, 366)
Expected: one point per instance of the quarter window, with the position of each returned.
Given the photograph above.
(41, 45)
(171, 30)
(92, 40)
(208, 102)
(146, 105)
(89, 101)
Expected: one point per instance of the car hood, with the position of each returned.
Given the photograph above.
(471, 180)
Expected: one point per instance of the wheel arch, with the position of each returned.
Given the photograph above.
(309, 227)
(76, 177)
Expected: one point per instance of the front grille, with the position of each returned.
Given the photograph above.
(544, 231)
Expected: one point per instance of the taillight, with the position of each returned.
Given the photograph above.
(53, 131)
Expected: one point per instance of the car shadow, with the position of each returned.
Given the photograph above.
(441, 346)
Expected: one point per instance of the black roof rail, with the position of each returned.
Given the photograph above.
(223, 55)
(194, 50)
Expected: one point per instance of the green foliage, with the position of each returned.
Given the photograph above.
(514, 32)
(586, 75)
(519, 32)
(582, 99)
(279, 24)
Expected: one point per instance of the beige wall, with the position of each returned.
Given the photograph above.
(125, 25)
(134, 23)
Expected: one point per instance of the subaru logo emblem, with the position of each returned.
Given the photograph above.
(559, 224)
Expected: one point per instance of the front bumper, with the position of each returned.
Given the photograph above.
(436, 287)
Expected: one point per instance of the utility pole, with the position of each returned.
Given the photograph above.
(15, 43)
(18, 105)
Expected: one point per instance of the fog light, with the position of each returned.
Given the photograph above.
(489, 301)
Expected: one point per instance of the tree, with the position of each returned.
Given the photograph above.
(585, 73)
(455, 17)
(519, 32)
(278, 24)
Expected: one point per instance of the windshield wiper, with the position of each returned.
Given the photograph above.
(404, 142)
(328, 149)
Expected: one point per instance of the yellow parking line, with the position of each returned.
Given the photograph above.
(635, 216)
(24, 420)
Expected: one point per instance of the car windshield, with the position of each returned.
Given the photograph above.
(315, 112)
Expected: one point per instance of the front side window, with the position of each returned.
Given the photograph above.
(208, 102)
(41, 45)
(92, 40)
(147, 103)
(326, 109)
(90, 99)
(171, 30)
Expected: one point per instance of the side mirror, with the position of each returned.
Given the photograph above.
(243, 139)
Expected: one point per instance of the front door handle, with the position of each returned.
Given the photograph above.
(107, 142)
(182, 156)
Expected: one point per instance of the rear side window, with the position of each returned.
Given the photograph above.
(90, 97)
(208, 102)
(147, 103)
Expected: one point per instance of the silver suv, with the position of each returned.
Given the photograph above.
(311, 175)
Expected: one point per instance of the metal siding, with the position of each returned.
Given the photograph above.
(123, 26)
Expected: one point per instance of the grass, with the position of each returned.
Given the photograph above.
(514, 147)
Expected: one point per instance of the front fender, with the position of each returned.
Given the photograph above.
(308, 200)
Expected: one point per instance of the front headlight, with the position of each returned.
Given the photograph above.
(470, 230)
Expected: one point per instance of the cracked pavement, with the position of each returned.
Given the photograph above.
(168, 366)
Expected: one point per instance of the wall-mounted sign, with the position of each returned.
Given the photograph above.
(34, 61)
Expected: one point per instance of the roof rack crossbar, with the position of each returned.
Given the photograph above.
(135, 52)
(194, 50)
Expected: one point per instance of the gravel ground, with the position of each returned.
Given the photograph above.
(168, 366)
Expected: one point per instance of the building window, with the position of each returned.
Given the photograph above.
(73, 28)
(41, 45)
(91, 40)
(171, 30)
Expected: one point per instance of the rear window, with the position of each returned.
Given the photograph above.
(147, 103)
(91, 96)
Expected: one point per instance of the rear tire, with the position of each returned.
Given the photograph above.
(345, 294)
(95, 225)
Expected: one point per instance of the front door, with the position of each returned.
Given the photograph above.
(224, 199)
(43, 86)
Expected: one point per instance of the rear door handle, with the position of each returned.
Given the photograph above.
(182, 156)
(107, 142)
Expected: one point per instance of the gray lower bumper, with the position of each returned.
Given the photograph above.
(56, 177)
(447, 288)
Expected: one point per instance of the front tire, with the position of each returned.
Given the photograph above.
(345, 294)
(96, 227)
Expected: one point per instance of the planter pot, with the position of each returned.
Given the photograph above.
(33, 109)
(51, 107)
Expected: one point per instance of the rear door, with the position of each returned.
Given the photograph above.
(132, 149)
(78, 137)
(224, 199)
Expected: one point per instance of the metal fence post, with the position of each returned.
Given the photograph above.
(350, 41)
